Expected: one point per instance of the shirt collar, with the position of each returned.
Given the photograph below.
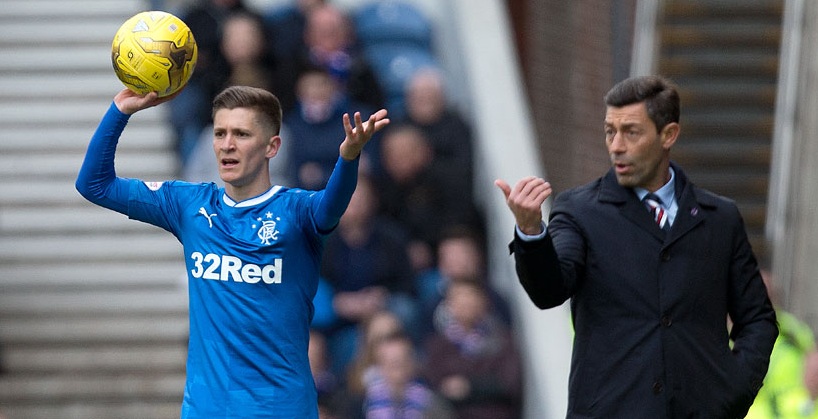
(666, 193)
(252, 201)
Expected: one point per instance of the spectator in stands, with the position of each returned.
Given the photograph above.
(790, 387)
(366, 263)
(245, 61)
(376, 328)
(246, 53)
(310, 128)
(448, 132)
(460, 257)
(395, 390)
(417, 192)
(287, 24)
(330, 45)
(190, 110)
(326, 383)
(471, 358)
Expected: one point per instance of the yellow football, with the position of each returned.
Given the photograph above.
(154, 52)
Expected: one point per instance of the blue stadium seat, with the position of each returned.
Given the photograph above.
(394, 66)
(392, 22)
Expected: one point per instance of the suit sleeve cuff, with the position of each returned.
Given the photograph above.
(529, 238)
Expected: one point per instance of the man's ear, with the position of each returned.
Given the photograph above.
(273, 147)
(669, 135)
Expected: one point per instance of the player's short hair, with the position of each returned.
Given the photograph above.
(263, 102)
(659, 94)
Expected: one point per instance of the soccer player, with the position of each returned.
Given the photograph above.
(251, 249)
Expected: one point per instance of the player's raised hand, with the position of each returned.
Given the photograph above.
(525, 201)
(130, 102)
(357, 136)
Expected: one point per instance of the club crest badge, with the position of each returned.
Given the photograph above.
(267, 230)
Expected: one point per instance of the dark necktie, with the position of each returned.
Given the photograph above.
(654, 204)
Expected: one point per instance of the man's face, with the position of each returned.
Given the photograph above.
(242, 146)
(639, 154)
(425, 99)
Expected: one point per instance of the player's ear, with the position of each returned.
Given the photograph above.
(273, 146)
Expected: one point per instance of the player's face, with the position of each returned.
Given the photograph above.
(639, 154)
(243, 147)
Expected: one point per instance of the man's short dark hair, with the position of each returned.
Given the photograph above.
(260, 100)
(659, 94)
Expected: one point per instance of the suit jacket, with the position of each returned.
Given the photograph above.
(650, 308)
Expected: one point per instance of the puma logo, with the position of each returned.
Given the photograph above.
(208, 216)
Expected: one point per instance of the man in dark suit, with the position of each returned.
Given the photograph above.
(651, 282)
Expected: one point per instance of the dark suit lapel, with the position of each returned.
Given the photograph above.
(610, 192)
(690, 213)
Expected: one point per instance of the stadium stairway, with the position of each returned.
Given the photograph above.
(93, 320)
(724, 55)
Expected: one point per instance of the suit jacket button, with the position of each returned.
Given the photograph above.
(666, 321)
(657, 387)
(664, 256)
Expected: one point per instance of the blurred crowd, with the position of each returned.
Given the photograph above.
(406, 323)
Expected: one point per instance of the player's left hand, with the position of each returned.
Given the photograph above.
(361, 133)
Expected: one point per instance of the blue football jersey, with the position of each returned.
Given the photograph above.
(252, 270)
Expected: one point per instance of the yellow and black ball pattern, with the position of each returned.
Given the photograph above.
(154, 52)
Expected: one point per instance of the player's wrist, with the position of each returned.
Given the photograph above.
(349, 153)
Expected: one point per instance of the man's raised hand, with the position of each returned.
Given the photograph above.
(357, 136)
(525, 201)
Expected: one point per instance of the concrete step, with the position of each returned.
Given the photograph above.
(149, 165)
(65, 32)
(708, 123)
(742, 65)
(56, 220)
(723, 154)
(698, 10)
(117, 359)
(60, 9)
(70, 113)
(94, 330)
(57, 59)
(120, 275)
(89, 407)
(749, 184)
(90, 303)
(93, 386)
(41, 192)
(97, 85)
(148, 246)
(698, 92)
(735, 34)
(56, 192)
(138, 136)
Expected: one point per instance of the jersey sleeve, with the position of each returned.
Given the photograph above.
(334, 199)
(97, 180)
